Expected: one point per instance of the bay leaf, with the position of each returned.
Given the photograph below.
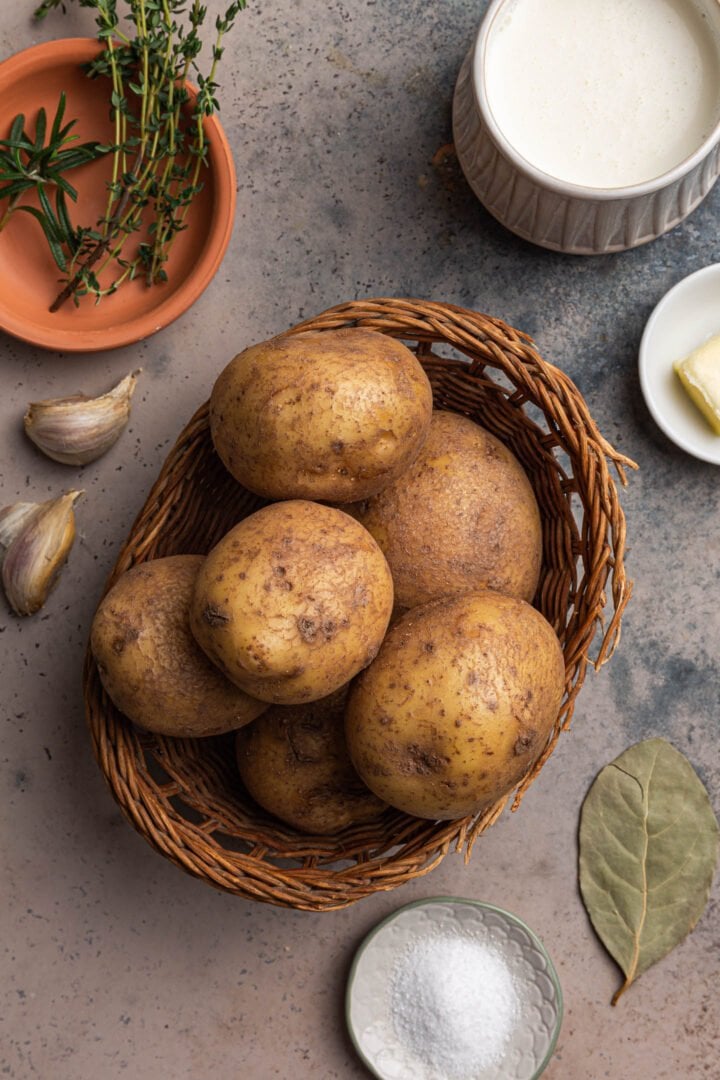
(648, 851)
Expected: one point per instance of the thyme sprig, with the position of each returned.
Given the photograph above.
(159, 148)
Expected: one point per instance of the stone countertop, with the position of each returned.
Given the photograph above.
(116, 963)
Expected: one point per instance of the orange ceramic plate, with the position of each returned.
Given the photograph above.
(29, 279)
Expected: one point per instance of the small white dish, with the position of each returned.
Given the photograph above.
(368, 997)
(686, 317)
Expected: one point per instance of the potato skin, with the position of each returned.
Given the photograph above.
(463, 517)
(150, 664)
(332, 415)
(295, 764)
(293, 602)
(457, 706)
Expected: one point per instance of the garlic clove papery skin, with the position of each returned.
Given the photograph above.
(77, 430)
(12, 519)
(37, 551)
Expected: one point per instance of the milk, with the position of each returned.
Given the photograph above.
(604, 93)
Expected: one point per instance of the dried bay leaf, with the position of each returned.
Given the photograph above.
(648, 851)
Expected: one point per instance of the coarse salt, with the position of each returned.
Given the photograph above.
(454, 1004)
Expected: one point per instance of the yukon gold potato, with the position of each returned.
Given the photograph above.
(463, 517)
(457, 706)
(333, 415)
(293, 602)
(295, 764)
(150, 664)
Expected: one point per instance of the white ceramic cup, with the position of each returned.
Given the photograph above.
(554, 213)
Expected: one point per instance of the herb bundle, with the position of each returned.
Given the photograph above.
(158, 151)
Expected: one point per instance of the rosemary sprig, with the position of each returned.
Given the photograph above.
(160, 146)
(30, 163)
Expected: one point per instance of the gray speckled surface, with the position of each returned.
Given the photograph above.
(114, 962)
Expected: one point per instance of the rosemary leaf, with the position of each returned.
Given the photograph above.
(55, 247)
(40, 129)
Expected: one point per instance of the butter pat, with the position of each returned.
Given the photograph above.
(700, 375)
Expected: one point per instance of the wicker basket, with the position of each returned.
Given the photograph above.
(184, 796)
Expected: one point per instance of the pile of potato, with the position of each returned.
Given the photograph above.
(369, 633)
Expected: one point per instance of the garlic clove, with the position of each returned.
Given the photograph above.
(76, 430)
(38, 547)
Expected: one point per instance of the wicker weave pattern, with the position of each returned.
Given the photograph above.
(184, 796)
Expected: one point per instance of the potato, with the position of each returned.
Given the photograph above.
(295, 764)
(293, 602)
(457, 706)
(332, 415)
(149, 662)
(463, 517)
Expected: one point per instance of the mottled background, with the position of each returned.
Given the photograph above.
(113, 961)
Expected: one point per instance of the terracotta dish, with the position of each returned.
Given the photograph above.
(29, 280)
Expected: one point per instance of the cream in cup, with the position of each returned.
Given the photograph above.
(604, 93)
(592, 101)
